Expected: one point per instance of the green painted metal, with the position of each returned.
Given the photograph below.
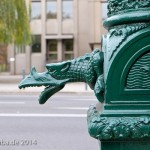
(124, 124)
(119, 74)
(88, 68)
(118, 128)
(124, 145)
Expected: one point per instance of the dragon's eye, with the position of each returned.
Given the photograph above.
(65, 67)
(51, 70)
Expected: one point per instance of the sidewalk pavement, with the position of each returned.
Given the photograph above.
(9, 84)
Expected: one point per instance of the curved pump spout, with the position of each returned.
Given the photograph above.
(87, 68)
(43, 79)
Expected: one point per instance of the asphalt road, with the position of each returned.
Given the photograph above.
(60, 124)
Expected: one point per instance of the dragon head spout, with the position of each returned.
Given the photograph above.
(43, 79)
(87, 68)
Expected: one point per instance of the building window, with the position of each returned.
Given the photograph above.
(52, 50)
(20, 49)
(51, 9)
(36, 43)
(35, 10)
(68, 49)
(67, 8)
(104, 10)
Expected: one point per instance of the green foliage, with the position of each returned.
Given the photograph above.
(14, 22)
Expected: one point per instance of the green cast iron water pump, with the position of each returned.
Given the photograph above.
(119, 74)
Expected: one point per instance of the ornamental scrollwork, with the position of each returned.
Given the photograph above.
(117, 6)
(139, 74)
(118, 34)
(106, 128)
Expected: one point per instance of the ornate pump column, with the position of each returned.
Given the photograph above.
(119, 76)
(124, 124)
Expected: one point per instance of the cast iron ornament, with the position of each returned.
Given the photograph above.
(106, 128)
(87, 68)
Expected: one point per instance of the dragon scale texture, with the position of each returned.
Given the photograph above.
(82, 69)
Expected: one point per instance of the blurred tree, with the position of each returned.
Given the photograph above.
(14, 22)
(14, 27)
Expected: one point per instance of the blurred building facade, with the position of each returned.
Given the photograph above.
(61, 30)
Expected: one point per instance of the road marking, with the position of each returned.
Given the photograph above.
(72, 108)
(44, 149)
(85, 99)
(74, 96)
(12, 102)
(73, 99)
(67, 98)
(45, 115)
